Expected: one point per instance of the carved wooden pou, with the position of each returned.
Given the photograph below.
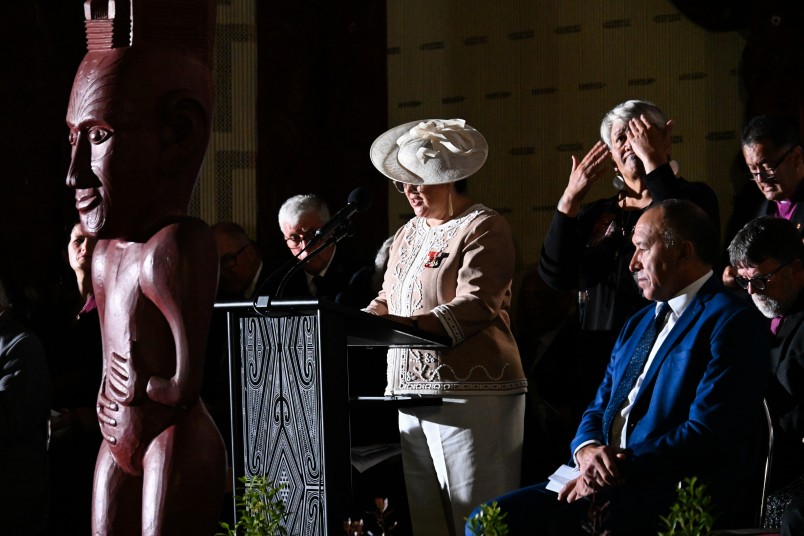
(139, 118)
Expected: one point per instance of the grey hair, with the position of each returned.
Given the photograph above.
(765, 238)
(292, 210)
(668, 238)
(631, 109)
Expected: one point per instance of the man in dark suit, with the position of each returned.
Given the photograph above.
(241, 267)
(242, 271)
(767, 254)
(328, 273)
(772, 151)
(24, 400)
(686, 403)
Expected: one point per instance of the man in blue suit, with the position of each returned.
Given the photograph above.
(688, 405)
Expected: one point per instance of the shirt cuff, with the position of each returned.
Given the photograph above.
(579, 447)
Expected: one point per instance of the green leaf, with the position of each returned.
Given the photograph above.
(691, 513)
(489, 521)
(260, 511)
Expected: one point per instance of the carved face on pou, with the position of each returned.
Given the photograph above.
(139, 122)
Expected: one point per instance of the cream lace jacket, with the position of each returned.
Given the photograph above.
(462, 272)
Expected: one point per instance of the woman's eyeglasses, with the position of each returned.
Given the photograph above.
(757, 282)
(402, 186)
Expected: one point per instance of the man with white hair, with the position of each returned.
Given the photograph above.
(326, 274)
(24, 411)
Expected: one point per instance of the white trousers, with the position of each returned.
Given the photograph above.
(458, 455)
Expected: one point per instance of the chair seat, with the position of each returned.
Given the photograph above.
(779, 500)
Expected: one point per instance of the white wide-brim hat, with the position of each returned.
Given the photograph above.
(434, 151)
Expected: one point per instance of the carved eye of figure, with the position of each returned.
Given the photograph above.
(72, 138)
(97, 135)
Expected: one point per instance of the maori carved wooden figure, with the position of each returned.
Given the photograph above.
(139, 117)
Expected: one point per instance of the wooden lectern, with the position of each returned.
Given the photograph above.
(289, 397)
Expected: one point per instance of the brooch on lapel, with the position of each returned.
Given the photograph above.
(434, 259)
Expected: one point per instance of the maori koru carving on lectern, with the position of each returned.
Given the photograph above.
(139, 121)
(283, 426)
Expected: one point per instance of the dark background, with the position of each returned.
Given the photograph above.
(322, 99)
(321, 102)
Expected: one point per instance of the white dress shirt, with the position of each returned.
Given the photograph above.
(678, 305)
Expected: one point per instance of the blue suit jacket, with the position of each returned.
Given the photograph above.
(698, 410)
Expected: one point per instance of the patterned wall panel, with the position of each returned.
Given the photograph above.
(227, 188)
(536, 77)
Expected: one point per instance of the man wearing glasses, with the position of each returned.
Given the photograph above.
(767, 255)
(327, 273)
(299, 218)
(773, 153)
(240, 274)
(241, 268)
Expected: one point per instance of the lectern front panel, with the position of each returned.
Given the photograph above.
(282, 425)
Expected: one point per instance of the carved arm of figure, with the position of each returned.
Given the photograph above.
(179, 276)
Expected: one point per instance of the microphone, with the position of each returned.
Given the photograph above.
(360, 200)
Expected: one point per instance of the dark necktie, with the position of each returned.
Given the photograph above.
(634, 368)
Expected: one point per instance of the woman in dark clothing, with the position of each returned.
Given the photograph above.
(588, 247)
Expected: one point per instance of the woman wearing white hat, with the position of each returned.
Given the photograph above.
(449, 272)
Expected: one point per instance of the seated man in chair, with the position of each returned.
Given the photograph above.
(766, 255)
(676, 398)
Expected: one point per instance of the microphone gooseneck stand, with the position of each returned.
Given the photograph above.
(344, 230)
(294, 264)
(336, 229)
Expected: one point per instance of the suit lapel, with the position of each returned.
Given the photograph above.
(629, 347)
(680, 329)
